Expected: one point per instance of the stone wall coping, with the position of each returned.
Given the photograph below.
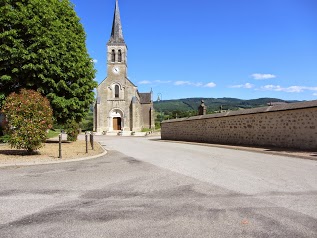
(281, 107)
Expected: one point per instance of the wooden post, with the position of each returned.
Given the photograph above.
(86, 139)
(60, 146)
(92, 140)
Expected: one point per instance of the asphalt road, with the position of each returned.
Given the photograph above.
(148, 188)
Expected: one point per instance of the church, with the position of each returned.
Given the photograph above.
(120, 107)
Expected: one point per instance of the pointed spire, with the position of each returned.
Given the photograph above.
(116, 33)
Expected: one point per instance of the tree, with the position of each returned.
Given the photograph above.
(72, 129)
(28, 115)
(42, 47)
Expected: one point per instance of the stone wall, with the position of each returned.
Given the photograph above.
(289, 125)
(148, 116)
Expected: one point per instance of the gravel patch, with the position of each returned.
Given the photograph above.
(48, 153)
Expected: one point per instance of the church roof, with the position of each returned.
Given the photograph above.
(116, 33)
(145, 98)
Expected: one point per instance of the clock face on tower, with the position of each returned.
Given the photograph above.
(116, 70)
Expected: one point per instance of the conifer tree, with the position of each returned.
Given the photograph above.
(42, 47)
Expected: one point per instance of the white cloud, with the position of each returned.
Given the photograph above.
(263, 76)
(291, 89)
(210, 85)
(314, 94)
(180, 83)
(145, 82)
(162, 81)
(177, 83)
(247, 85)
(94, 61)
(197, 84)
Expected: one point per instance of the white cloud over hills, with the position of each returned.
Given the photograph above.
(179, 83)
(210, 85)
(247, 85)
(291, 89)
(263, 76)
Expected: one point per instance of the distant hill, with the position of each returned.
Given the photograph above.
(181, 106)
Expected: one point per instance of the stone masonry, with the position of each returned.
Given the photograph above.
(120, 107)
(290, 125)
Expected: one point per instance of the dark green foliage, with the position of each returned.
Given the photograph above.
(3, 137)
(87, 123)
(28, 116)
(1, 130)
(42, 47)
(189, 106)
(72, 130)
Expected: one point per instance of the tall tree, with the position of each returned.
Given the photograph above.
(42, 47)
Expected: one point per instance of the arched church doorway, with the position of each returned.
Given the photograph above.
(116, 120)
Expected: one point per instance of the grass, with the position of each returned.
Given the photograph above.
(53, 133)
(146, 130)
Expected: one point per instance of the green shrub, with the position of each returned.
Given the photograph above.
(3, 137)
(88, 123)
(72, 130)
(28, 116)
(1, 131)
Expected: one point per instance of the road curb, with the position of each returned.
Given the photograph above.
(262, 150)
(56, 162)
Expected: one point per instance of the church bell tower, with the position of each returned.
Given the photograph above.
(117, 49)
(120, 108)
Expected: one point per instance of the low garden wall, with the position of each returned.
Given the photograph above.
(291, 125)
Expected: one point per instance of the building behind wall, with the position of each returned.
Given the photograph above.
(119, 104)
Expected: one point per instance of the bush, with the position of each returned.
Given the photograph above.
(1, 131)
(72, 130)
(28, 116)
(3, 138)
(88, 123)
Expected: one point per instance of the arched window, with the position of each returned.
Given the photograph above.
(116, 91)
(113, 56)
(119, 56)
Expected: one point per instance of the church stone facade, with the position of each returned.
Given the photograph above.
(119, 105)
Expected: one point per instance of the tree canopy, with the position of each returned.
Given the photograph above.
(42, 47)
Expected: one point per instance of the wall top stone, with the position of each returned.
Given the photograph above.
(282, 107)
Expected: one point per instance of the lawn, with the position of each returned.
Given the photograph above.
(53, 133)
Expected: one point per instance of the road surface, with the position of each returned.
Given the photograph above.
(145, 187)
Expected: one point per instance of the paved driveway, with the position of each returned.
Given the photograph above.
(148, 188)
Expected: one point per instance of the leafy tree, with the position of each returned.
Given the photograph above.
(28, 116)
(72, 129)
(88, 123)
(42, 47)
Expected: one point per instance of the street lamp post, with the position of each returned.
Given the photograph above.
(160, 98)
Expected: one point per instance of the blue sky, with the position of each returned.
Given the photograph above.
(211, 48)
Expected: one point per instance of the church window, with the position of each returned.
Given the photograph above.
(113, 56)
(119, 56)
(116, 91)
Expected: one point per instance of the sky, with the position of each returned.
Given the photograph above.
(211, 48)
